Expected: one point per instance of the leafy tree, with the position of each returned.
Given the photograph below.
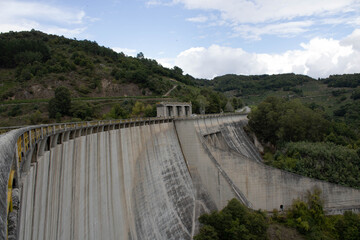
(307, 217)
(82, 110)
(35, 117)
(140, 55)
(118, 111)
(356, 94)
(348, 227)
(237, 103)
(229, 107)
(207, 233)
(203, 103)
(277, 120)
(150, 111)
(61, 103)
(138, 109)
(235, 221)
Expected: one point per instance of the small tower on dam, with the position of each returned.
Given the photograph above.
(173, 109)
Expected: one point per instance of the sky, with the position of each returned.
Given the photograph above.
(208, 38)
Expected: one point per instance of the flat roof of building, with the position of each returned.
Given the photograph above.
(173, 104)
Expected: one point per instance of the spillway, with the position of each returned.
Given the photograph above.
(139, 179)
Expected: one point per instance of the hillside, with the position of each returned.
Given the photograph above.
(34, 64)
(336, 95)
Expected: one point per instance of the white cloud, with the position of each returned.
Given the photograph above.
(20, 15)
(153, 3)
(126, 51)
(286, 29)
(320, 57)
(253, 18)
(166, 62)
(258, 11)
(352, 40)
(198, 19)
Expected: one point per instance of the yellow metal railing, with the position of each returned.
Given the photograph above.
(26, 141)
(30, 137)
(9, 198)
(19, 147)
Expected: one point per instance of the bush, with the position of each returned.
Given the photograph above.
(82, 110)
(324, 161)
(276, 120)
(235, 221)
(60, 104)
(117, 111)
(15, 111)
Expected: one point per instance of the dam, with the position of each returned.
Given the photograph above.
(139, 178)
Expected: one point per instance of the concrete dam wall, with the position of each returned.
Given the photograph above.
(226, 163)
(130, 183)
(146, 179)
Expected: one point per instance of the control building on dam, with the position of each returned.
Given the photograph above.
(139, 179)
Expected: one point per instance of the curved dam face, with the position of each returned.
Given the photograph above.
(130, 183)
(135, 180)
(226, 164)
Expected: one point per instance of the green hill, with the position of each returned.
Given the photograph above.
(34, 64)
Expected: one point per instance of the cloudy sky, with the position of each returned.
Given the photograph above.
(208, 38)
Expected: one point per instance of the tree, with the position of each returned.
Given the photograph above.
(229, 107)
(138, 109)
(150, 111)
(235, 221)
(140, 55)
(203, 103)
(61, 103)
(277, 120)
(81, 110)
(308, 217)
(207, 233)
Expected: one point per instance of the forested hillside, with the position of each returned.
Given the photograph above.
(34, 58)
(308, 141)
(101, 83)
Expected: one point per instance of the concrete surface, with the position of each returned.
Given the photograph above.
(130, 183)
(231, 164)
(145, 180)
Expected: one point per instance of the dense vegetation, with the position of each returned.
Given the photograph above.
(36, 56)
(250, 85)
(345, 80)
(307, 141)
(322, 160)
(276, 120)
(310, 220)
(235, 221)
(33, 65)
